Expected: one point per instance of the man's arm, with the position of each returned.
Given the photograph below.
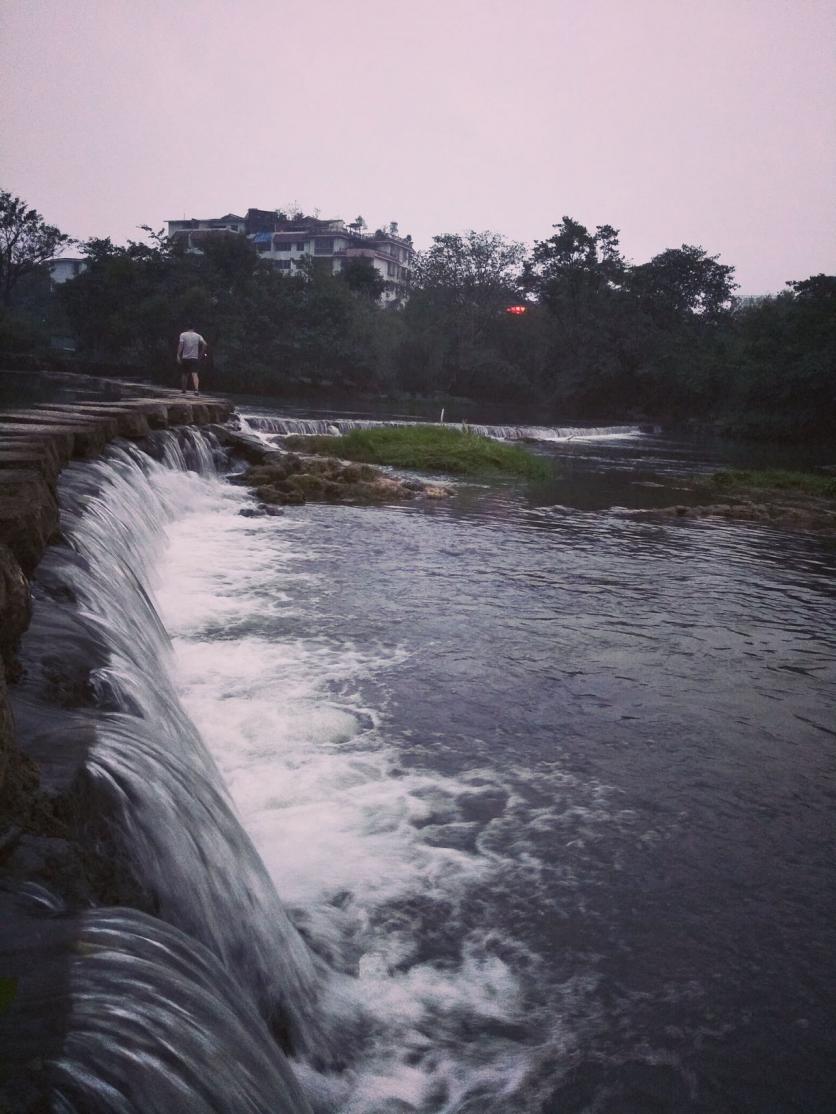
(204, 347)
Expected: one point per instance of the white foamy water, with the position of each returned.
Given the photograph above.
(336, 821)
(263, 425)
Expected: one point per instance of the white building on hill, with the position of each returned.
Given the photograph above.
(287, 240)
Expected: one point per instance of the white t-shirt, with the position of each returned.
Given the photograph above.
(190, 343)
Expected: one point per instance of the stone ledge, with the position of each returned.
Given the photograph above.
(36, 442)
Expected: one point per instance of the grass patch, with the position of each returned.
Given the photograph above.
(429, 449)
(775, 479)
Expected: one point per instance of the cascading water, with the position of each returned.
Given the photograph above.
(156, 1023)
(337, 426)
(144, 764)
(545, 792)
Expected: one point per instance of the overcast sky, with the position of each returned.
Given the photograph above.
(700, 121)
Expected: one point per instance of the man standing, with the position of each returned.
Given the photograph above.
(190, 351)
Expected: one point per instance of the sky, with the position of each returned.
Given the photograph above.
(709, 122)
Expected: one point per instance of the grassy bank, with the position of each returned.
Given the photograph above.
(815, 484)
(429, 449)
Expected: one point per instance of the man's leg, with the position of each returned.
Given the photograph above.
(195, 382)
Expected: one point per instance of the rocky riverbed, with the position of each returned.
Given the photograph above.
(786, 510)
(288, 479)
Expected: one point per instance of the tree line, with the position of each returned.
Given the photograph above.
(591, 335)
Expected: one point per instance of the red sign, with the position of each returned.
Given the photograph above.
(516, 309)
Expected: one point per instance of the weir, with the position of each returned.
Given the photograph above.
(185, 1000)
(338, 426)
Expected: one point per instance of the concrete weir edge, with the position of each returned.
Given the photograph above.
(36, 443)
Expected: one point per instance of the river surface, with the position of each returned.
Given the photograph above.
(549, 787)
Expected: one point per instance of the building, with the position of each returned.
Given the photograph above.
(288, 240)
(67, 267)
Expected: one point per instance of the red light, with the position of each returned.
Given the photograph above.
(517, 310)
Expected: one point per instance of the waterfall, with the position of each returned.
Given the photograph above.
(97, 640)
(157, 1023)
(334, 427)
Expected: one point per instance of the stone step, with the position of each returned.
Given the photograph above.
(154, 410)
(59, 441)
(130, 422)
(30, 456)
(84, 441)
(107, 426)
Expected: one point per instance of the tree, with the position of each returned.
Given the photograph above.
(27, 242)
(361, 276)
(455, 314)
(683, 281)
(817, 290)
(473, 267)
(575, 264)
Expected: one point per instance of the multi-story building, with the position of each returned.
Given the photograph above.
(288, 240)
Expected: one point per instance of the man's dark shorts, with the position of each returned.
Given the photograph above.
(189, 365)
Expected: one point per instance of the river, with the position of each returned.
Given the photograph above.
(551, 787)
(546, 791)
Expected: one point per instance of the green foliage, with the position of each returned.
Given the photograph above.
(774, 479)
(574, 264)
(27, 243)
(601, 338)
(361, 276)
(683, 281)
(430, 449)
(455, 331)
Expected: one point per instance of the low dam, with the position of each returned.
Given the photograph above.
(126, 879)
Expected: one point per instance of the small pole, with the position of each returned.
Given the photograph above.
(441, 419)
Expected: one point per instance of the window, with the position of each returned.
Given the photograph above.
(323, 246)
(283, 264)
(283, 247)
(391, 270)
(301, 245)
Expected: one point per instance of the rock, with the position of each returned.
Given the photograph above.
(30, 457)
(85, 438)
(260, 510)
(291, 479)
(18, 773)
(130, 422)
(58, 442)
(15, 608)
(7, 743)
(28, 520)
(71, 416)
(809, 514)
(273, 494)
(354, 473)
(248, 447)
